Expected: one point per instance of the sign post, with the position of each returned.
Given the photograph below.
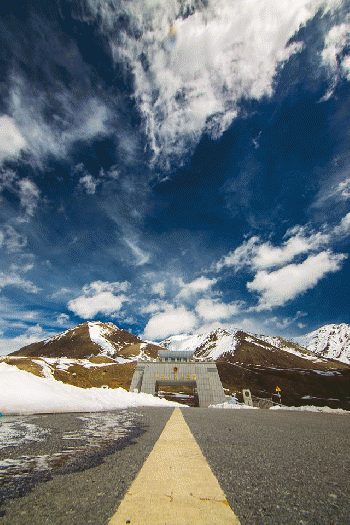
(278, 390)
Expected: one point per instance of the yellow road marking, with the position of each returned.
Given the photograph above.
(175, 485)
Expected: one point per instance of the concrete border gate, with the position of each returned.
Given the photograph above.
(202, 375)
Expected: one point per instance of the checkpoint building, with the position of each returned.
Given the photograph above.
(177, 368)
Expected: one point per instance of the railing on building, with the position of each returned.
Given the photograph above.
(178, 356)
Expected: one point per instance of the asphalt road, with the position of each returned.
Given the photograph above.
(278, 467)
(274, 467)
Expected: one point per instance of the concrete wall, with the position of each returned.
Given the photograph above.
(205, 375)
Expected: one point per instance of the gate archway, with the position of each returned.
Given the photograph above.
(203, 375)
(184, 392)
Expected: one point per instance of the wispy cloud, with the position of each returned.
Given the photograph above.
(285, 322)
(32, 334)
(220, 52)
(106, 286)
(256, 254)
(25, 189)
(13, 241)
(12, 141)
(29, 195)
(141, 256)
(333, 56)
(158, 289)
(13, 279)
(62, 319)
(88, 183)
(26, 126)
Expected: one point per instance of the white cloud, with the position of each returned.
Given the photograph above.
(73, 122)
(336, 190)
(285, 322)
(33, 334)
(7, 178)
(210, 309)
(343, 189)
(155, 306)
(62, 319)
(29, 195)
(199, 70)
(280, 286)
(12, 279)
(24, 263)
(25, 189)
(343, 228)
(91, 122)
(172, 321)
(300, 240)
(345, 65)
(158, 289)
(104, 303)
(140, 255)
(11, 140)
(113, 173)
(13, 241)
(88, 183)
(201, 284)
(257, 254)
(335, 42)
(61, 292)
(268, 256)
(241, 256)
(105, 286)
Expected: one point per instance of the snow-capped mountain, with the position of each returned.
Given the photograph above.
(331, 341)
(205, 346)
(92, 339)
(96, 354)
(247, 349)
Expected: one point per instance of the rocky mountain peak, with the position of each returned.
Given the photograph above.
(92, 338)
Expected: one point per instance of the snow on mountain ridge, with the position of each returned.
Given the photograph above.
(207, 346)
(97, 332)
(107, 340)
(291, 348)
(56, 337)
(331, 341)
(183, 342)
(215, 344)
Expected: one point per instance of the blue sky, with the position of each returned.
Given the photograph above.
(174, 166)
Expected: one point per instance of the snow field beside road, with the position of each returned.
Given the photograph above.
(25, 393)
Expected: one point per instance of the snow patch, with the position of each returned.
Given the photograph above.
(97, 333)
(312, 408)
(14, 433)
(45, 368)
(234, 406)
(25, 393)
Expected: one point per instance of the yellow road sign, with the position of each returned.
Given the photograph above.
(278, 389)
